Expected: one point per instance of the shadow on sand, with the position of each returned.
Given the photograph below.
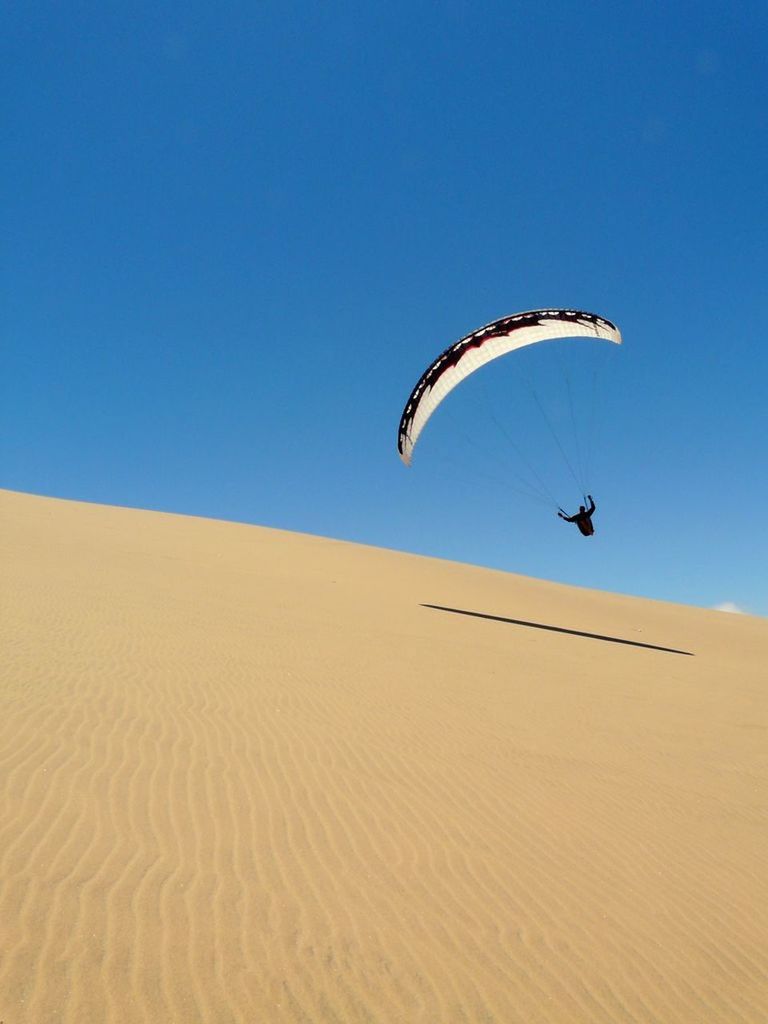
(557, 629)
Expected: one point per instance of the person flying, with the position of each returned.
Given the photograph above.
(583, 517)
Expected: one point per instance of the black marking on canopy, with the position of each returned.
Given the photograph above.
(501, 328)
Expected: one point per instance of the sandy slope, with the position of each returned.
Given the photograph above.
(245, 775)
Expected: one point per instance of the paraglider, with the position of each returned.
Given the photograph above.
(484, 345)
(583, 518)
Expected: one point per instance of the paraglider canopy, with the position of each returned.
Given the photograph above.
(482, 346)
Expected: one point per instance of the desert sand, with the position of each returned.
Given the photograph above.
(248, 775)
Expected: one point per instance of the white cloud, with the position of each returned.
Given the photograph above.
(729, 606)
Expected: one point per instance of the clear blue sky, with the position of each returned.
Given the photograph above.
(235, 234)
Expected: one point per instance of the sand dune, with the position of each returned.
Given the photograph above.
(255, 776)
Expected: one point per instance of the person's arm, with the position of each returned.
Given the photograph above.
(568, 519)
(592, 503)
